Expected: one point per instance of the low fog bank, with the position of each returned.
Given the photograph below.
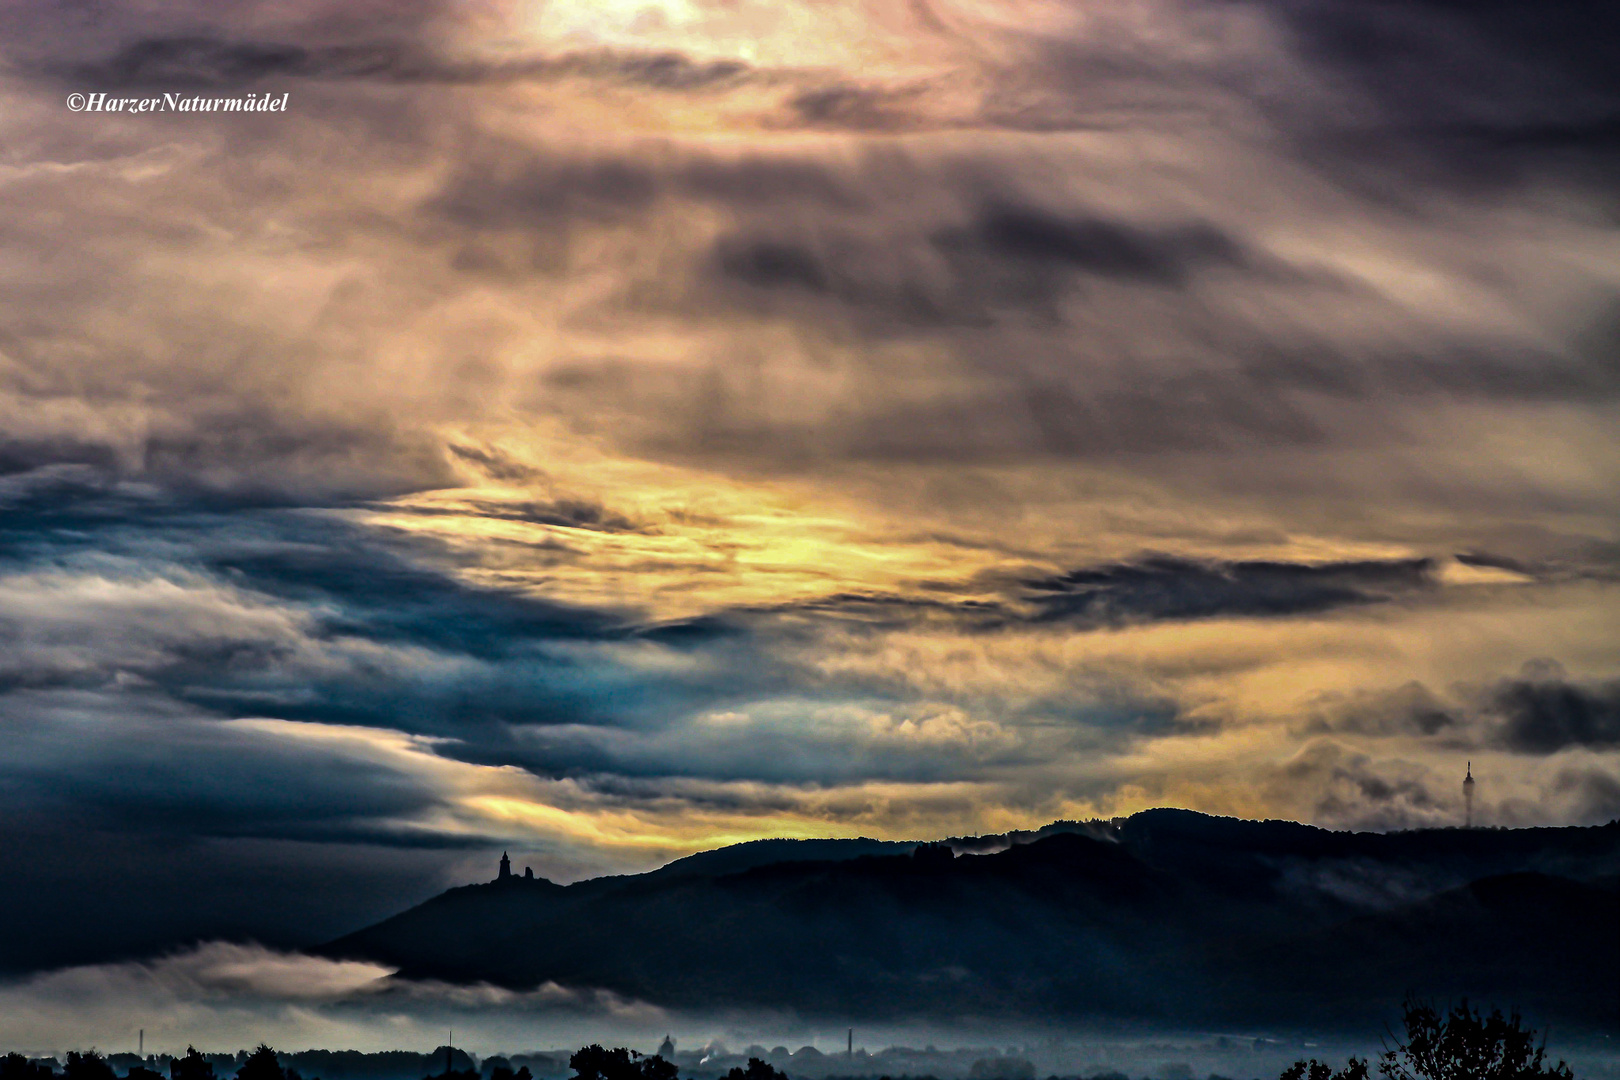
(220, 996)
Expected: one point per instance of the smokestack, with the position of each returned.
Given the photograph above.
(1468, 797)
(142, 1050)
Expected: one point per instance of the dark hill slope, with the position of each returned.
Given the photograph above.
(867, 932)
(1182, 916)
(739, 857)
(1548, 945)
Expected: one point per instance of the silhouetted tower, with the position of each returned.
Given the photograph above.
(506, 867)
(851, 1050)
(1468, 798)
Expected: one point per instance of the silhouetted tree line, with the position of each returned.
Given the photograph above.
(594, 1063)
(504, 1072)
(1461, 1045)
(590, 1063)
(757, 1070)
(17, 1067)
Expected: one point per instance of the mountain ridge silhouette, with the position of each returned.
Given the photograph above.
(1168, 915)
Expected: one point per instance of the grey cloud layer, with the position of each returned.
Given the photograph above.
(1248, 346)
(1538, 711)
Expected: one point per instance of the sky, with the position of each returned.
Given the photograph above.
(611, 430)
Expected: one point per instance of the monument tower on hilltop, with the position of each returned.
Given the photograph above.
(1468, 798)
(506, 867)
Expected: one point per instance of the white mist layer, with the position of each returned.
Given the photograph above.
(220, 996)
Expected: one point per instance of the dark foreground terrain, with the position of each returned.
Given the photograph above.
(1168, 915)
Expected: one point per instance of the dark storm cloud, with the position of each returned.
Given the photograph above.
(1497, 63)
(1543, 711)
(1005, 273)
(198, 44)
(185, 44)
(519, 189)
(768, 265)
(1015, 262)
(276, 591)
(1005, 250)
(198, 60)
(752, 181)
(1461, 370)
(1009, 259)
(1164, 256)
(566, 513)
(1153, 589)
(1540, 711)
(1493, 561)
(1594, 560)
(203, 61)
(19, 457)
(1412, 709)
(856, 108)
(1597, 793)
(1167, 588)
(386, 596)
(1470, 96)
(527, 192)
(159, 767)
(840, 276)
(280, 552)
(1008, 277)
(247, 450)
(264, 452)
(495, 464)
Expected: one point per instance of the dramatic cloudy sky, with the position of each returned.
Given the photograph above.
(613, 429)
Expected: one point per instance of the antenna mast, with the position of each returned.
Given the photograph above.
(1468, 797)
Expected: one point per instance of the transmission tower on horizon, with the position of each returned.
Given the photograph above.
(1468, 798)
